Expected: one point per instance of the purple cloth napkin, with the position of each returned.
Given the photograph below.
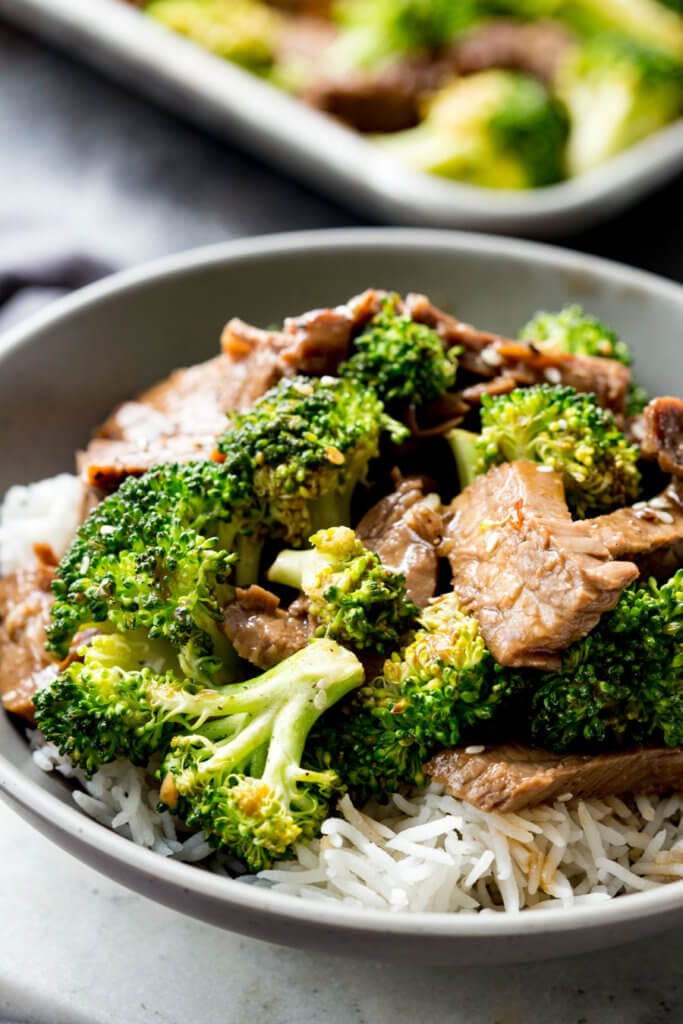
(37, 265)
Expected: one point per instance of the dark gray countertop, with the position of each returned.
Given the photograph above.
(133, 183)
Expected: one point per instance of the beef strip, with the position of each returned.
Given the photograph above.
(385, 100)
(262, 632)
(662, 434)
(25, 602)
(174, 421)
(510, 778)
(535, 580)
(405, 530)
(179, 419)
(492, 355)
(534, 47)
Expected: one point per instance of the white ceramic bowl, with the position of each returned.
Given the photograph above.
(64, 370)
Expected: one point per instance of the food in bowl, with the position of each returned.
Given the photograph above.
(493, 93)
(411, 619)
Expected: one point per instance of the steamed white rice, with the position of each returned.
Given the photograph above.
(423, 852)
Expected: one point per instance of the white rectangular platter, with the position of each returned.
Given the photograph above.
(121, 42)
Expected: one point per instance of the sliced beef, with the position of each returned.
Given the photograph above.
(492, 355)
(510, 778)
(644, 529)
(262, 632)
(388, 100)
(405, 530)
(313, 343)
(176, 420)
(534, 47)
(535, 580)
(25, 602)
(662, 434)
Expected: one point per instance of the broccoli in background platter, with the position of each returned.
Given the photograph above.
(617, 92)
(495, 128)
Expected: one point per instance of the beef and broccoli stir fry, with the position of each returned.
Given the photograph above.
(345, 555)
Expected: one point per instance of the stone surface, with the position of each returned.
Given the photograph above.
(134, 183)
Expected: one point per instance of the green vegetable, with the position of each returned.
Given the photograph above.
(622, 684)
(232, 763)
(442, 684)
(569, 432)
(376, 31)
(243, 31)
(495, 128)
(617, 92)
(644, 22)
(239, 775)
(403, 361)
(305, 446)
(353, 598)
(578, 333)
(158, 555)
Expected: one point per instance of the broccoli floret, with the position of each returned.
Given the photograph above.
(643, 21)
(353, 597)
(243, 31)
(158, 555)
(307, 444)
(403, 361)
(442, 684)
(495, 128)
(105, 706)
(374, 32)
(622, 684)
(617, 91)
(578, 333)
(568, 432)
(239, 774)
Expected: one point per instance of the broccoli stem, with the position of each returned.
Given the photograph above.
(294, 568)
(463, 445)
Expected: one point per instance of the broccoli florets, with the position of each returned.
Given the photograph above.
(243, 31)
(118, 702)
(232, 761)
(403, 361)
(495, 128)
(353, 597)
(376, 31)
(622, 684)
(307, 444)
(444, 682)
(158, 554)
(644, 21)
(578, 333)
(568, 432)
(236, 769)
(617, 91)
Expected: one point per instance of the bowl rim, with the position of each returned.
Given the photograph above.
(69, 821)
